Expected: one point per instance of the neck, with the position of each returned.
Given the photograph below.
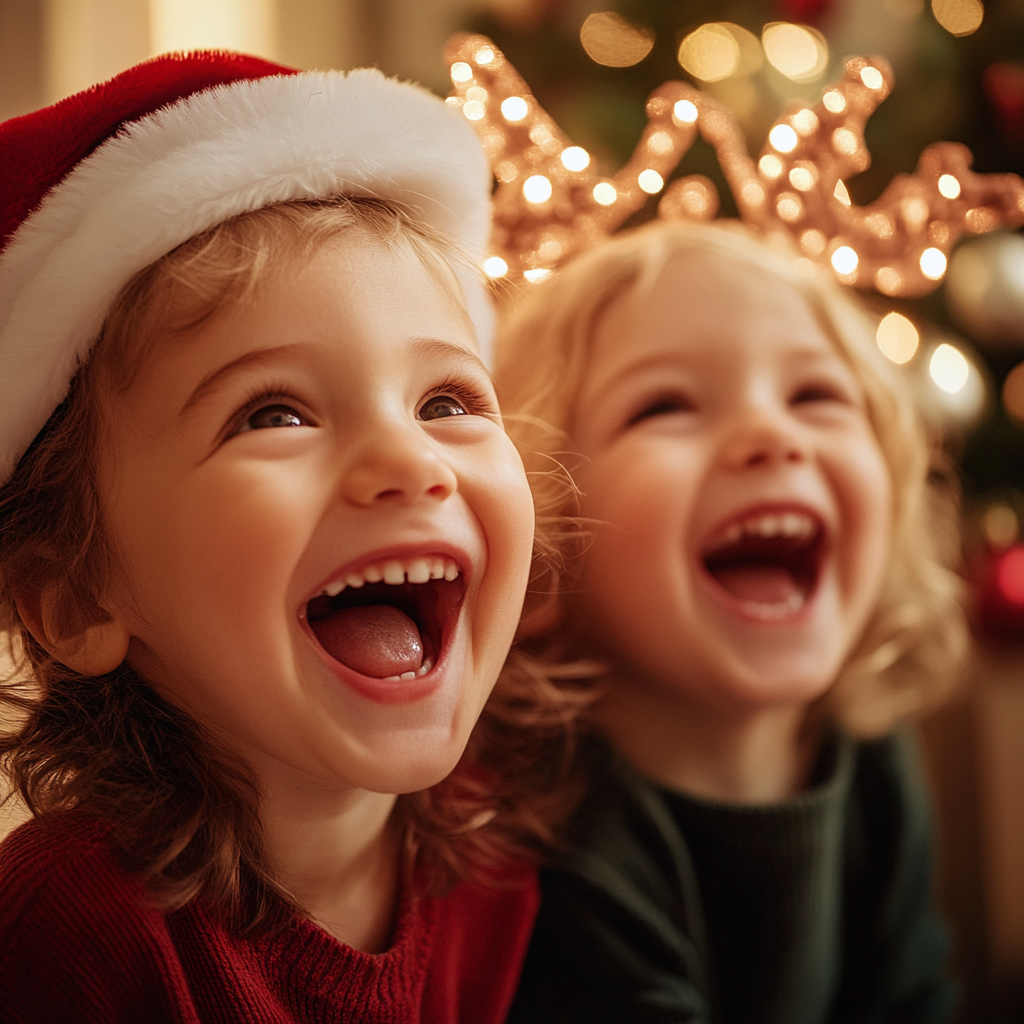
(335, 853)
(737, 755)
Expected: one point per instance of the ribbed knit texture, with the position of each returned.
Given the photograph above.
(78, 943)
(666, 909)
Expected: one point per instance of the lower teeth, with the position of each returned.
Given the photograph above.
(406, 676)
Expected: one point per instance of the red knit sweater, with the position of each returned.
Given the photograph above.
(78, 944)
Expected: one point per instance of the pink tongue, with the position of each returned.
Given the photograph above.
(375, 639)
(762, 584)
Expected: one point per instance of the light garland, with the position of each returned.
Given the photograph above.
(551, 203)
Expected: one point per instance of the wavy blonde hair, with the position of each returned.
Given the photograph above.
(183, 812)
(909, 654)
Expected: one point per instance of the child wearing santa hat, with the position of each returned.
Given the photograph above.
(263, 545)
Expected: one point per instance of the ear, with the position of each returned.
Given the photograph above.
(92, 650)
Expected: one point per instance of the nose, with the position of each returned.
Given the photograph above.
(764, 437)
(398, 465)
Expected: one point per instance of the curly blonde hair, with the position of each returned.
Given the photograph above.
(908, 656)
(183, 811)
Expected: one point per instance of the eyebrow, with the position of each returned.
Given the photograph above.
(213, 380)
(449, 350)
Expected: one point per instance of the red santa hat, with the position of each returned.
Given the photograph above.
(98, 186)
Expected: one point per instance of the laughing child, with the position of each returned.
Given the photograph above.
(762, 582)
(263, 545)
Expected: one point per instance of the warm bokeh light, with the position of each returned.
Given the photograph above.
(537, 189)
(1010, 575)
(841, 192)
(533, 276)
(575, 158)
(461, 72)
(515, 108)
(1000, 525)
(770, 166)
(246, 25)
(872, 77)
(803, 178)
(949, 368)
(650, 181)
(834, 101)
(495, 266)
(1013, 393)
(474, 110)
(711, 53)
(799, 52)
(959, 17)
(604, 193)
(783, 138)
(845, 260)
(484, 55)
(685, 112)
(610, 40)
(897, 338)
(949, 186)
(933, 264)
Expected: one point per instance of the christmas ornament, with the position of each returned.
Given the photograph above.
(985, 289)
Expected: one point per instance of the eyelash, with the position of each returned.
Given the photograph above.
(260, 397)
(662, 405)
(476, 402)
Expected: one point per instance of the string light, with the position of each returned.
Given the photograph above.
(897, 338)
(948, 368)
(551, 202)
(798, 51)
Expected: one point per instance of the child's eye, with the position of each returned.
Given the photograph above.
(665, 405)
(272, 416)
(439, 406)
(819, 392)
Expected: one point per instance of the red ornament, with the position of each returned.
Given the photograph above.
(1004, 86)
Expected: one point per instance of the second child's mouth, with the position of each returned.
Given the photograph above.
(388, 619)
(768, 561)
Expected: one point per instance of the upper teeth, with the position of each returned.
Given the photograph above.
(396, 571)
(783, 524)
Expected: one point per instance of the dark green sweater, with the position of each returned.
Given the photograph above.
(666, 908)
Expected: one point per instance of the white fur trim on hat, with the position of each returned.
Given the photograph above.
(189, 166)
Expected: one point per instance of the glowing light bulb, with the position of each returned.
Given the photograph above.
(685, 111)
(650, 181)
(461, 71)
(537, 189)
(845, 260)
(845, 141)
(802, 178)
(872, 77)
(799, 52)
(604, 193)
(484, 55)
(515, 108)
(534, 276)
(660, 143)
(495, 266)
(575, 158)
(770, 166)
(805, 121)
(474, 110)
(949, 186)
(783, 138)
(949, 368)
(933, 264)
(897, 338)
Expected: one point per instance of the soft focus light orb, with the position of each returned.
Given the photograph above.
(805, 121)
(575, 158)
(650, 181)
(842, 193)
(770, 166)
(802, 179)
(474, 110)
(484, 55)
(797, 51)
(685, 111)
(789, 207)
(533, 276)
(1013, 393)
(897, 338)
(1000, 525)
(537, 189)
(461, 72)
(933, 264)
(835, 102)
(604, 193)
(949, 368)
(710, 53)
(514, 108)
(872, 77)
(783, 138)
(959, 17)
(610, 40)
(845, 260)
(495, 266)
(949, 186)
(1010, 575)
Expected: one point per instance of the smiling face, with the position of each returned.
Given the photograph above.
(323, 531)
(746, 505)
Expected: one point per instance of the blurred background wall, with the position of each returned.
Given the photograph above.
(959, 75)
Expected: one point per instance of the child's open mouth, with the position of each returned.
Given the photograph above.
(768, 561)
(387, 620)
